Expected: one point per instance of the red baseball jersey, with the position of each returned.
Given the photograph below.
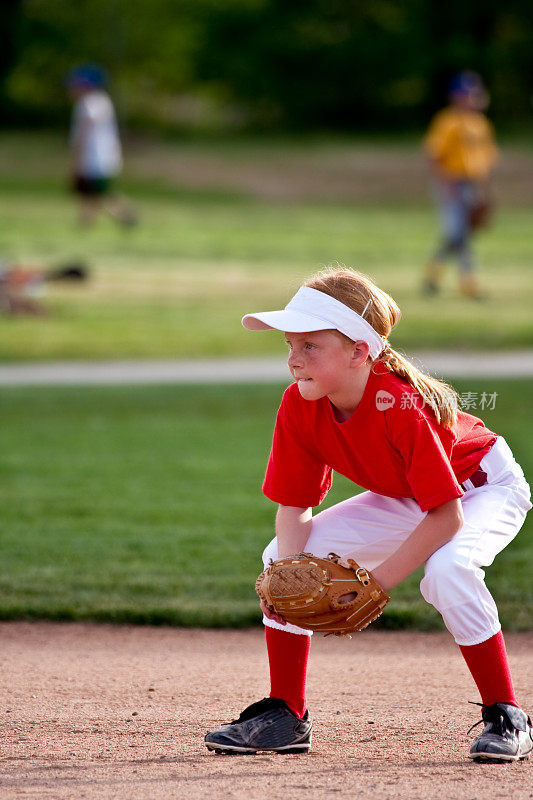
(391, 445)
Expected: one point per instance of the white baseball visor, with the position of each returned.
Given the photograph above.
(312, 310)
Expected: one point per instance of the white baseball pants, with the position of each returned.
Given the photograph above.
(370, 527)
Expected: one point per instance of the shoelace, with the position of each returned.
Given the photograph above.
(475, 726)
(266, 704)
(481, 721)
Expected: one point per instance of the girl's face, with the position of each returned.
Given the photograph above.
(321, 363)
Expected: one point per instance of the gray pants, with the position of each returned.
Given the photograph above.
(455, 201)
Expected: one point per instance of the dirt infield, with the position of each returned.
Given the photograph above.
(93, 711)
(325, 171)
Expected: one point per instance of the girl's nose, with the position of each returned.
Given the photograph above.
(293, 359)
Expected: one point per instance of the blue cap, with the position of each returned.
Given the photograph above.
(90, 76)
(466, 82)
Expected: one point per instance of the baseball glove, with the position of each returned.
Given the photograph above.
(329, 595)
(480, 214)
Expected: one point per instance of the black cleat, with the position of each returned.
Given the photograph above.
(266, 725)
(507, 735)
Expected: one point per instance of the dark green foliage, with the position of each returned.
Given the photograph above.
(341, 64)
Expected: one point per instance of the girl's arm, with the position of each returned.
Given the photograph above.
(293, 526)
(437, 528)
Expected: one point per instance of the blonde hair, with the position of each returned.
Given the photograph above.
(360, 293)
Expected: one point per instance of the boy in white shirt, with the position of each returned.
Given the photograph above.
(95, 145)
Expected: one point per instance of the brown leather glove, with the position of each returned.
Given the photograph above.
(329, 595)
(480, 214)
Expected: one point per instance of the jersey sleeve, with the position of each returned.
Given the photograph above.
(428, 468)
(295, 474)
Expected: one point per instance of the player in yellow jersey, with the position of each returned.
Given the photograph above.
(462, 152)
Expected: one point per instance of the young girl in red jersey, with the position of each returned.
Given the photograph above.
(441, 490)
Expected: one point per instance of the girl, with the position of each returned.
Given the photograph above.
(442, 490)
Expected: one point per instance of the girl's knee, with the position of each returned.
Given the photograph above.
(449, 579)
(445, 567)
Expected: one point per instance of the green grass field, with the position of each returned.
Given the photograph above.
(144, 505)
(228, 229)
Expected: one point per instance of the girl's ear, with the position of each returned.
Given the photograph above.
(360, 353)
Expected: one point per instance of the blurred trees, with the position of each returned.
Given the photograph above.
(304, 64)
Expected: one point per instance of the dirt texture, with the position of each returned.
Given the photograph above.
(336, 172)
(91, 711)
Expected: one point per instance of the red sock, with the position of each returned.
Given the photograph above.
(490, 669)
(287, 657)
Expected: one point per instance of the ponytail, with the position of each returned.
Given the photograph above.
(439, 396)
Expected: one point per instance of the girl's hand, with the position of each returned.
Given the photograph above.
(270, 614)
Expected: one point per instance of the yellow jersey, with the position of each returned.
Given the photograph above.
(462, 142)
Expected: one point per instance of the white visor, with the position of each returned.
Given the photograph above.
(312, 310)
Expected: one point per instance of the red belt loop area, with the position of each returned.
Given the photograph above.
(478, 478)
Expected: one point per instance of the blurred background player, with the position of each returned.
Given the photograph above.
(462, 152)
(22, 287)
(95, 145)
